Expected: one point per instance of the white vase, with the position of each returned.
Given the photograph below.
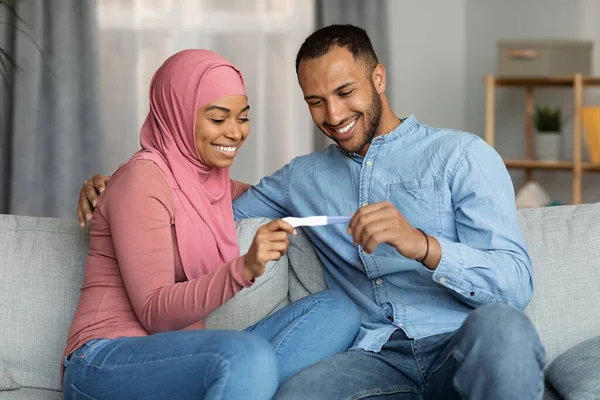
(547, 146)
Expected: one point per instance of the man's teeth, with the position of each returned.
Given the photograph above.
(223, 148)
(346, 128)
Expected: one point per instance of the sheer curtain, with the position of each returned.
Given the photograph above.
(260, 36)
(49, 119)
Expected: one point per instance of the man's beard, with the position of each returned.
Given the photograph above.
(372, 124)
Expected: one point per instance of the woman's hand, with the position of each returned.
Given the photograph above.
(270, 244)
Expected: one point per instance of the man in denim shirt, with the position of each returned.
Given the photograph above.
(433, 255)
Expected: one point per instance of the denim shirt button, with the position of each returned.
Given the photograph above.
(379, 282)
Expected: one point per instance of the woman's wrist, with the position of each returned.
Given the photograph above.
(248, 273)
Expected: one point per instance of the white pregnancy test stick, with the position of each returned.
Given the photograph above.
(318, 220)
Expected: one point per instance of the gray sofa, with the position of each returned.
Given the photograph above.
(41, 262)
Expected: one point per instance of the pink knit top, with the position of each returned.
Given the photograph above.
(146, 291)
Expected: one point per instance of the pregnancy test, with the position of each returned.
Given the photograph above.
(319, 220)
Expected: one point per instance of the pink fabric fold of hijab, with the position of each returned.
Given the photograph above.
(204, 225)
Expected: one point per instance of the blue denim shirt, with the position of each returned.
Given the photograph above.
(449, 183)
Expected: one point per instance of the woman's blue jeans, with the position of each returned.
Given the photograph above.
(214, 364)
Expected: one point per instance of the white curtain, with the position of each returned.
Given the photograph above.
(261, 37)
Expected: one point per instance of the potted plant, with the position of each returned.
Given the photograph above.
(548, 126)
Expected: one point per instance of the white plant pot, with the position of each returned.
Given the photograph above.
(548, 146)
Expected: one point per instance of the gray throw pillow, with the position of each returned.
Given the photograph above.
(7, 382)
(574, 374)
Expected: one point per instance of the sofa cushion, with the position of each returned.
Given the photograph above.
(268, 294)
(306, 271)
(563, 244)
(31, 394)
(41, 261)
(7, 382)
(574, 373)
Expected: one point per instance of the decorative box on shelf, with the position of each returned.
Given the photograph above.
(544, 57)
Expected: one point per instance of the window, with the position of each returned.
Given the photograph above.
(261, 37)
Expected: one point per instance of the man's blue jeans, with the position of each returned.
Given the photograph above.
(496, 354)
(214, 364)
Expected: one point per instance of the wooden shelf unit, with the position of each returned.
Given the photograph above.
(529, 163)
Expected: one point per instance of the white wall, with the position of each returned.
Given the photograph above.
(428, 42)
(443, 49)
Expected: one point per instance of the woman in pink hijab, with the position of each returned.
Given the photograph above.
(164, 254)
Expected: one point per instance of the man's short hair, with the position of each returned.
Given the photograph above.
(350, 37)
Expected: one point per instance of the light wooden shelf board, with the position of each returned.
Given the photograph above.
(536, 164)
(556, 165)
(591, 167)
(550, 81)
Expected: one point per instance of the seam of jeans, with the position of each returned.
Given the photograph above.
(460, 358)
(222, 362)
(384, 392)
(300, 320)
(452, 353)
(94, 346)
(413, 348)
(92, 364)
(80, 394)
(457, 388)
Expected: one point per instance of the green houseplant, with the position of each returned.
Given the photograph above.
(548, 124)
(548, 119)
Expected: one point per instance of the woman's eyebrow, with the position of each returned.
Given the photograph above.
(225, 109)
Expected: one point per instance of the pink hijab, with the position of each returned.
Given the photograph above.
(187, 81)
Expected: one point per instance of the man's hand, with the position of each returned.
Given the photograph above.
(381, 222)
(270, 244)
(88, 197)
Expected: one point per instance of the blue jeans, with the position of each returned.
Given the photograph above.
(496, 354)
(214, 364)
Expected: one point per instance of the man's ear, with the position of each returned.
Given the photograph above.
(378, 78)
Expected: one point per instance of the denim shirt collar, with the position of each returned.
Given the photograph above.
(407, 125)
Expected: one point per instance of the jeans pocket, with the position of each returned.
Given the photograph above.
(92, 347)
(76, 394)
